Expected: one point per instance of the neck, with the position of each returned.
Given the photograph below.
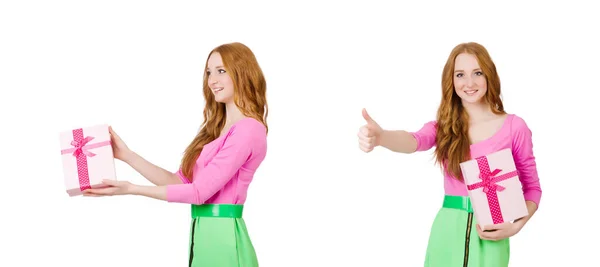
(232, 113)
(478, 111)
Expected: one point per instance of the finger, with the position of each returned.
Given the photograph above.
(92, 192)
(480, 232)
(113, 134)
(365, 143)
(110, 182)
(101, 191)
(364, 135)
(483, 235)
(366, 139)
(367, 117)
(489, 229)
(497, 226)
(365, 149)
(366, 131)
(495, 236)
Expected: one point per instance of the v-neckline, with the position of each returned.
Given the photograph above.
(492, 137)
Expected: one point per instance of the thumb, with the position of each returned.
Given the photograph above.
(111, 131)
(368, 118)
(110, 182)
(114, 136)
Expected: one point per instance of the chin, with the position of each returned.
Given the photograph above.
(222, 100)
(478, 101)
(472, 99)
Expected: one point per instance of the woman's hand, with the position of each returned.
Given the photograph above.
(508, 229)
(369, 135)
(114, 188)
(500, 231)
(120, 149)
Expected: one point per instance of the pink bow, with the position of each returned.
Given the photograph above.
(80, 147)
(83, 146)
(489, 182)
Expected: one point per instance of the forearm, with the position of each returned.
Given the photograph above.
(531, 209)
(398, 141)
(156, 192)
(153, 173)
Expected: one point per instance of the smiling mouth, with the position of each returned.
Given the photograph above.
(470, 92)
(216, 90)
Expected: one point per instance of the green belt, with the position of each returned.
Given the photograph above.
(458, 202)
(217, 210)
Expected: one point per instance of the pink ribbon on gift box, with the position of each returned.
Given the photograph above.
(490, 188)
(81, 151)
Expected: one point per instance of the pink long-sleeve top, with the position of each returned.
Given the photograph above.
(225, 168)
(513, 134)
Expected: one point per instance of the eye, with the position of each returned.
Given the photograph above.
(479, 73)
(207, 72)
(459, 75)
(221, 71)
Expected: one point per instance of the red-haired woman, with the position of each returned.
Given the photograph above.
(219, 163)
(471, 122)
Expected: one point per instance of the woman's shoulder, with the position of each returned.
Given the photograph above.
(517, 123)
(249, 124)
(518, 129)
(249, 129)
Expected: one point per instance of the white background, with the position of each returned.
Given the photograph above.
(316, 200)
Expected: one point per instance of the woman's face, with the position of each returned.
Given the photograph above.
(219, 81)
(469, 80)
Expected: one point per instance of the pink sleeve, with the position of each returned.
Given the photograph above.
(235, 151)
(522, 146)
(426, 136)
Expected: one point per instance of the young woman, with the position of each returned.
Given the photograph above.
(218, 164)
(471, 122)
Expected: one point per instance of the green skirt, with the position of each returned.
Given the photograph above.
(218, 237)
(454, 241)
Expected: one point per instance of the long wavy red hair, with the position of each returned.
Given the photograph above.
(452, 139)
(250, 89)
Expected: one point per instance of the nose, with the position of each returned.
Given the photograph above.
(470, 81)
(211, 80)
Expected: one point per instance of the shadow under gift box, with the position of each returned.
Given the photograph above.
(494, 188)
(87, 158)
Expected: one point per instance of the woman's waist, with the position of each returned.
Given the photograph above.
(217, 210)
(457, 202)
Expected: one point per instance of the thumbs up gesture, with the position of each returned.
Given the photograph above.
(369, 135)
